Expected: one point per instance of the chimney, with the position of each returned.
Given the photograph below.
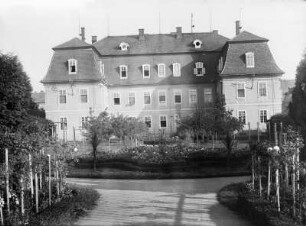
(93, 39)
(141, 34)
(82, 33)
(238, 27)
(178, 32)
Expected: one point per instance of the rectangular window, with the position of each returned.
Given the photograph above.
(123, 72)
(177, 97)
(146, 70)
(242, 116)
(72, 66)
(116, 97)
(63, 121)
(262, 89)
(148, 121)
(240, 90)
(163, 121)
(132, 99)
(161, 70)
(263, 114)
(62, 96)
(83, 93)
(176, 70)
(162, 99)
(208, 95)
(249, 58)
(147, 98)
(84, 122)
(193, 97)
(199, 69)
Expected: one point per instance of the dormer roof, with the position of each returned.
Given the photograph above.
(246, 36)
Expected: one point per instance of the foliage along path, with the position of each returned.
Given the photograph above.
(160, 202)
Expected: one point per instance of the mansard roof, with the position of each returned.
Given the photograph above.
(87, 67)
(160, 44)
(235, 61)
(72, 44)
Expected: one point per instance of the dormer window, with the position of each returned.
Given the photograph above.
(124, 46)
(197, 43)
(72, 66)
(146, 71)
(123, 71)
(249, 59)
(199, 69)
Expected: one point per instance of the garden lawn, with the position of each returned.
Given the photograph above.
(69, 209)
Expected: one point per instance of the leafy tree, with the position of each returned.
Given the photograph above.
(15, 92)
(136, 129)
(97, 129)
(298, 106)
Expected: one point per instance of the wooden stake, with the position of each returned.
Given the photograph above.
(7, 181)
(1, 216)
(49, 158)
(269, 179)
(253, 170)
(36, 193)
(259, 176)
(31, 175)
(57, 181)
(22, 196)
(293, 186)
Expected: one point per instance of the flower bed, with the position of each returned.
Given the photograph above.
(166, 159)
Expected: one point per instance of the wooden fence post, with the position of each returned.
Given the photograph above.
(276, 149)
(269, 179)
(31, 175)
(1, 211)
(7, 186)
(293, 186)
(36, 193)
(22, 196)
(49, 160)
(259, 176)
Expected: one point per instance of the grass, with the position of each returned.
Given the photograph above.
(68, 210)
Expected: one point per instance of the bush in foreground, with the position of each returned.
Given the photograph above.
(69, 209)
(240, 198)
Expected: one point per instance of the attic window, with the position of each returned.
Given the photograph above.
(197, 43)
(124, 46)
(72, 66)
(249, 59)
(199, 69)
(220, 65)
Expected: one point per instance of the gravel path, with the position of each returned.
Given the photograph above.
(189, 202)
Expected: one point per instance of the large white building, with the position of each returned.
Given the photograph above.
(160, 78)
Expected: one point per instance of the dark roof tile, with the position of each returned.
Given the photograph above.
(160, 44)
(73, 43)
(87, 67)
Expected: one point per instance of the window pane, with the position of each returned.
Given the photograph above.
(131, 98)
(148, 121)
(262, 89)
(162, 97)
(242, 117)
(161, 70)
(177, 99)
(208, 98)
(241, 90)
(147, 98)
(163, 122)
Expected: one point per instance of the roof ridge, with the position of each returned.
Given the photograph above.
(72, 43)
(246, 36)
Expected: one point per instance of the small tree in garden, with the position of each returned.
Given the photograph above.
(136, 129)
(97, 129)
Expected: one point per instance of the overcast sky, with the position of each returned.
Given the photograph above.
(30, 28)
